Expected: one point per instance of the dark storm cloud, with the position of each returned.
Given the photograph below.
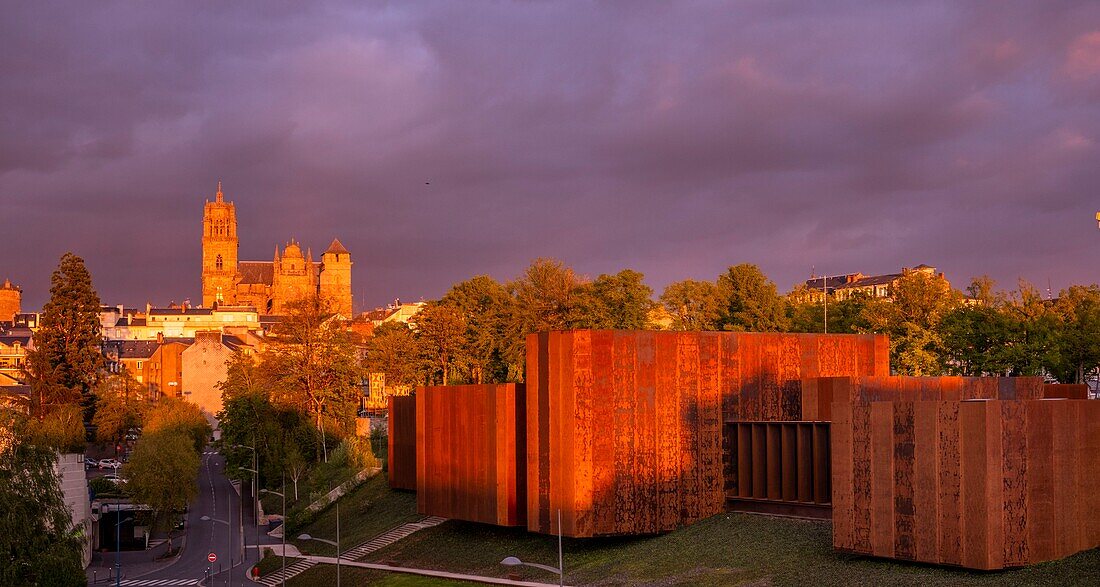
(673, 138)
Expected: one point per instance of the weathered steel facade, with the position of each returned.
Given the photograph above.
(401, 454)
(979, 484)
(625, 428)
(470, 448)
(779, 467)
(820, 393)
(1066, 391)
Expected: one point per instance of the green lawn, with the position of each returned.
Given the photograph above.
(326, 575)
(728, 549)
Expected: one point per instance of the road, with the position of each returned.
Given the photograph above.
(217, 500)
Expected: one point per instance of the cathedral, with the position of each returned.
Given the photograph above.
(267, 285)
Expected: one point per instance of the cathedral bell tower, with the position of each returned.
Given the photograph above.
(335, 282)
(219, 251)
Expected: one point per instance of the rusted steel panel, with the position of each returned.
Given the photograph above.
(1065, 391)
(862, 388)
(401, 453)
(473, 450)
(984, 484)
(626, 428)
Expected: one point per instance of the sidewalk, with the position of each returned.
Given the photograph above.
(428, 573)
(134, 562)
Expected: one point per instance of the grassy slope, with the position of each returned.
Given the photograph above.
(369, 510)
(723, 550)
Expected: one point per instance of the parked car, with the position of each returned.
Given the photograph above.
(115, 479)
(109, 464)
(89, 463)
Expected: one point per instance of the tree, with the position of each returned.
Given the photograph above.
(176, 415)
(488, 311)
(620, 301)
(1078, 343)
(694, 305)
(163, 474)
(543, 296)
(442, 335)
(912, 318)
(65, 364)
(750, 301)
(296, 466)
(311, 364)
(120, 406)
(39, 543)
(61, 429)
(393, 350)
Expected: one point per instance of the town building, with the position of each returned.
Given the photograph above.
(874, 286)
(13, 357)
(396, 311)
(204, 365)
(267, 286)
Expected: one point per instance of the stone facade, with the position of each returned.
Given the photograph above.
(203, 367)
(11, 297)
(267, 286)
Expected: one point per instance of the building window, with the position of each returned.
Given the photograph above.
(139, 364)
(218, 262)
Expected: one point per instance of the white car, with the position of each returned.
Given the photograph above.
(109, 464)
(115, 479)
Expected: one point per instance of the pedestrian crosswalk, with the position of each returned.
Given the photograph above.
(159, 582)
(276, 578)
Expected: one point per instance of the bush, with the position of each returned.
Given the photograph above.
(357, 453)
(101, 486)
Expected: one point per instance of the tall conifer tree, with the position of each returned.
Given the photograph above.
(66, 362)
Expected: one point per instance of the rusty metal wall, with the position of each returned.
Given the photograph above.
(1066, 391)
(978, 484)
(624, 428)
(819, 393)
(471, 455)
(779, 467)
(401, 455)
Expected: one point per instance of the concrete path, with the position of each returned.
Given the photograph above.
(428, 573)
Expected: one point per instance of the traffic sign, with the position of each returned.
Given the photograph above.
(212, 557)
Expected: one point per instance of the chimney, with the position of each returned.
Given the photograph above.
(160, 338)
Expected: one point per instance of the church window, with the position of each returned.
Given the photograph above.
(218, 262)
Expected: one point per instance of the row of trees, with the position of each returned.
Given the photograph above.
(475, 333)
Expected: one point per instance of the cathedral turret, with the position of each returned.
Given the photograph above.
(219, 250)
(335, 282)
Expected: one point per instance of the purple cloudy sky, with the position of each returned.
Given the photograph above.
(671, 138)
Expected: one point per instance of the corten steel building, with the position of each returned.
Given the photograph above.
(470, 453)
(983, 484)
(629, 433)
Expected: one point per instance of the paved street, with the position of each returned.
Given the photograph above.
(218, 500)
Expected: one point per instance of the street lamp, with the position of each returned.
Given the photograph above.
(336, 544)
(118, 542)
(512, 561)
(230, 527)
(282, 495)
(255, 505)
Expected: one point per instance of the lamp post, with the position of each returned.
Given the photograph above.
(283, 495)
(118, 542)
(255, 504)
(230, 526)
(512, 561)
(336, 544)
(825, 291)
